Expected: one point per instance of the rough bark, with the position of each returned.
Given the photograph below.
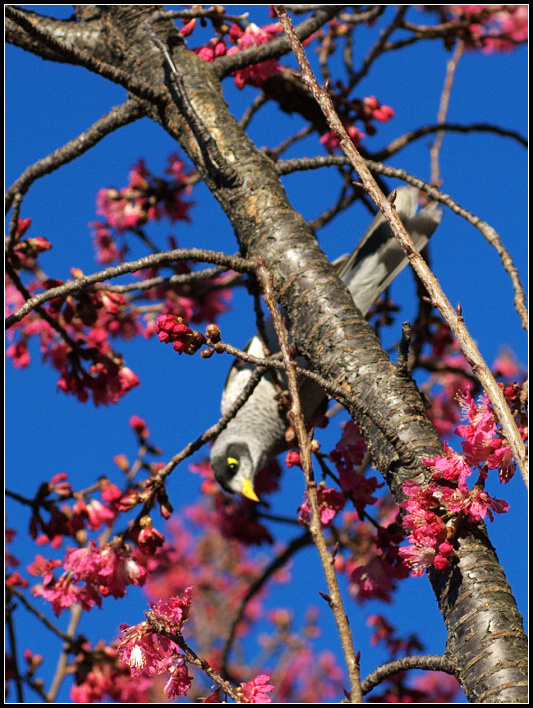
(485, 636)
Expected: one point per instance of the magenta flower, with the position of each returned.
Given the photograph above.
(255, 691)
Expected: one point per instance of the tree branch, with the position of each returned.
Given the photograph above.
(315, 526)
(428, 662)
(156, 259)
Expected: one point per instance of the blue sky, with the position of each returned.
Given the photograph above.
(47, 432)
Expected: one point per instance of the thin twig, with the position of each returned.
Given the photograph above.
(252, 109)
(378, 48)
(304, 444)
(443, 110)
(60, 672)
(428, 662)
(398, 143)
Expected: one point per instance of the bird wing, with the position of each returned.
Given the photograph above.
(378, 257)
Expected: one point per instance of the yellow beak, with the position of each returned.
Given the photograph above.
(247, 491)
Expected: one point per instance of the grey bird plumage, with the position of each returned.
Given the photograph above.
(257, 433)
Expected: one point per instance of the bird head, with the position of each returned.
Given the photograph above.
(234, 466)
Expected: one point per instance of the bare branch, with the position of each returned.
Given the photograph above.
(155, 259)
(399, 143)
(428, 662)
(304, 444)
(443, 110)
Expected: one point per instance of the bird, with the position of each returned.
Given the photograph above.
(257, 432)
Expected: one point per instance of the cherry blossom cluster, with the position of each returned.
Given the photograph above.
(367, 111)
(371, 560)
(75, 335)
(148, 651)
(25, 251)
(241, 35)
(146, 198)
(175, 330)
(104, 569)
(494, 28)
(434, 513)
(77, 329)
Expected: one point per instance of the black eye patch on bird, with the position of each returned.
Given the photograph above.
(232, 465)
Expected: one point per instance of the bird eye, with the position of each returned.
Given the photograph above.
(232, 463)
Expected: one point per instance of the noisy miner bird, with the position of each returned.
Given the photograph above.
(257, 433)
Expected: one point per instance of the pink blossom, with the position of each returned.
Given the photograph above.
(138, 424)
(418, 557)
(148, 653)
(479, 434)
(508, 367)
(145, 198)
(99, 514)
(492, 30)
(292, 458)
(64, 593)
(374, 579)
(214, 48)
(330, 501)
(144, 651)
(174, 611)
(18, 351)
(475, 504)
(255, 691)
(179, 682)
(174, 329)
(377, 111)
(149, 539)
(120, 212)
(331, 143)
(255, 74)
(108, 568)
(452, 466)
(22, 226)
